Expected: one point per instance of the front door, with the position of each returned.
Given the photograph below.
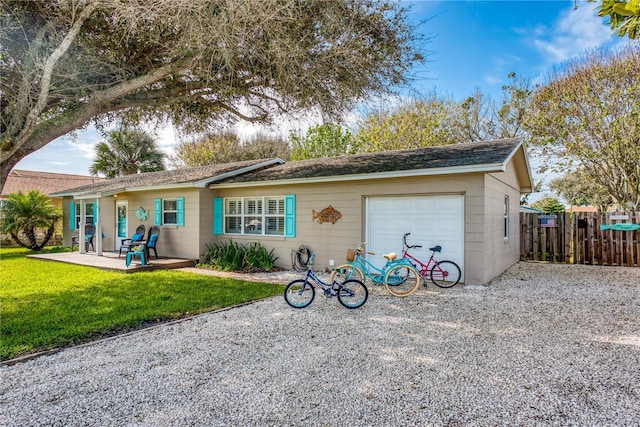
(121, 222)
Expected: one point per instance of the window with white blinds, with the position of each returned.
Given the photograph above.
(255, 215)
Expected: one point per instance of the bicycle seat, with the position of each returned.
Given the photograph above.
(390, 256)
(436, 248)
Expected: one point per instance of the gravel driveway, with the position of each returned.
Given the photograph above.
(541, 345)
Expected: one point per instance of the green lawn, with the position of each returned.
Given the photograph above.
(46, 304)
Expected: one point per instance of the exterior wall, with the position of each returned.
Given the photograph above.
(501, 253)
(486, 252)
(174, 241)
(331, 241)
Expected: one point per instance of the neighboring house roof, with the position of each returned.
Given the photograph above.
(45, 182)
(187, 177)
(486, 156)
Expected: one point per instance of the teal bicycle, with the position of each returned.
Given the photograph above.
(399, 276)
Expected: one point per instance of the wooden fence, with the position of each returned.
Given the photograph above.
(577, 238)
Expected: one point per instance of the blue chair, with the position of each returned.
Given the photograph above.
(136, 251)
(152, 241)
(89, 234)
(127, 244)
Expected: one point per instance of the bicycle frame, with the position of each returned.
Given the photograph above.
(300, 293)
(432, 269)
(423, 269)
(365, 266)
(329, 289)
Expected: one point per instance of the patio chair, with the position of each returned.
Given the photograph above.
(138, 251)
(152, 241)
(89, 234)
(127, 244)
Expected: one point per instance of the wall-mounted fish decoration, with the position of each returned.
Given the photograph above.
(328, 214)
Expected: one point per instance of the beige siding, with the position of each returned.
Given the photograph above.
(331, 241)
(486, 252)
(500, 252)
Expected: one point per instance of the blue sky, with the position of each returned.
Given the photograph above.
(473, 44)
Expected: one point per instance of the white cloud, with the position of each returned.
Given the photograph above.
(573, 33)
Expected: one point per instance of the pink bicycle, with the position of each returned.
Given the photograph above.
(444, 274)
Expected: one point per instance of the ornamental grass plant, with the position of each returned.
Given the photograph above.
(45, 305)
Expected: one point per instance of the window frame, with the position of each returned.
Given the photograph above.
(77, 214)
(159, 211)
(166, 211)
(505, 218)
(252, 216)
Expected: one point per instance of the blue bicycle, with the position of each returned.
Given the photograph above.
(399, 276)
(300, 293)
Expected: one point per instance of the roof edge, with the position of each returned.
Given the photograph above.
(491, 167)
(203, 183)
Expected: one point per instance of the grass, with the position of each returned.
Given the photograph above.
(45, 305)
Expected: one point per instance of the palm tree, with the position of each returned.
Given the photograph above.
(127, 152)
(23, 214)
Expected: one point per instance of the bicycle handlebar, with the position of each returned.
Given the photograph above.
(360, 248)
(404, 242)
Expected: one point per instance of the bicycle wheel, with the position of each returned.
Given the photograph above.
(353, 294)
(346, 272)
(445, 274)
(299, 294)
(402, 280)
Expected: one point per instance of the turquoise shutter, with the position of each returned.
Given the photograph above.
(290, 215)
(217, 215)
(72, 216)
(180, 211)
(157, 212)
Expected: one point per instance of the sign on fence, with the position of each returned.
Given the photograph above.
(547, 221)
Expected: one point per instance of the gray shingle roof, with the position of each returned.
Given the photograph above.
(169, 177)
(450, 156)
(494, 152)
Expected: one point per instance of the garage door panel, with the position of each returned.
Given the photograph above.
(431, 220)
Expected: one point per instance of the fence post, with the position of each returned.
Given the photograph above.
(568, 237)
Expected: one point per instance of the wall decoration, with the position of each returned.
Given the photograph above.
(141, 214)
(328, 214)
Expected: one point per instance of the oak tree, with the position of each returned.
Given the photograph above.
(588, 113)
(195, 63)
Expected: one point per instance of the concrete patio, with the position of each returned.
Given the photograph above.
(110, 261)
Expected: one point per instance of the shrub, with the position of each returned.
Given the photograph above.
(232, 256)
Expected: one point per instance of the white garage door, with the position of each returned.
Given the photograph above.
(431, 220)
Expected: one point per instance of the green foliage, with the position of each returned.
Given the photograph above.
(232, 256)
(624, 16)
(226, 147)
(580, 189)
(198, 64)
(49, 304)
(549, 205)
(588, 113)
(413, 125)
(325, 140)
(126, 152)
(24, 214)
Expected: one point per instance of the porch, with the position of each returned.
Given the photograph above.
(110, 261)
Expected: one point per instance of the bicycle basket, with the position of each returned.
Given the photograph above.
(351, 255)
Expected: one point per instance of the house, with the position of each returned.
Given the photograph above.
(45, 182)
(463, 197)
